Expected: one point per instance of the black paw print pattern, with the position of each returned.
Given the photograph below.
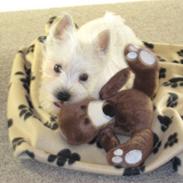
(174, 82)
(162, 73)
(172, 139)
(161, 59)
(26, 111)
(172, 100)
(29, 153)
(42, 39)
(26, 78)
(52, 19)
(178, 62)
(133, 171)
(180, 53)
(175, 61)
(52, 123)
(165, 122)
(10, 122)
(148, 45)
(30, 49)
(17, 141)
(64, 156)
(176, 162)
(29, 102)
(21, 52)
(156, 143)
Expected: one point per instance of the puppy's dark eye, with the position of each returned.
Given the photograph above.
(83, 77)
(57, 68)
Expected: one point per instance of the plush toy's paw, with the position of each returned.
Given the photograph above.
(107, 139)
(140, 59)
(124, 156)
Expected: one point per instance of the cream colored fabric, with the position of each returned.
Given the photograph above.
(34, 134)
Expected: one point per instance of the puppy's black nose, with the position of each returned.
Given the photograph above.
(63, 96)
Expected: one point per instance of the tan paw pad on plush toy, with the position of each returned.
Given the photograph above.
(143, 56)
(125, 159)
(131, 157)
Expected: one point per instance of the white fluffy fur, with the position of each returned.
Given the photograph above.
(78, 52)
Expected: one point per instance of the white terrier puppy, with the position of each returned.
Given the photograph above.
(78, 62)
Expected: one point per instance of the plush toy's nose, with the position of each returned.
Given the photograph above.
(108, 110)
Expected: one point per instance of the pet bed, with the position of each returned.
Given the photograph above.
(35, 134)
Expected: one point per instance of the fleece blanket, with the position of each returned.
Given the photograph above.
(34, 134)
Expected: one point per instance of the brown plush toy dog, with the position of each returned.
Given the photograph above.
(128, 112)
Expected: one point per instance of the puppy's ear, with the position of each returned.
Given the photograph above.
(115, 84)
(63, 27)
(103, 41)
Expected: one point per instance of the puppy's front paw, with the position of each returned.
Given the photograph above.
(124, 157)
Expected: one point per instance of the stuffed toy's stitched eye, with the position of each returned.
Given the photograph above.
(109, 110)
(57, 68)
(83, 77)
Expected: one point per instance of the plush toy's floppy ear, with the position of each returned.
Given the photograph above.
(62, 27)
(114, 84)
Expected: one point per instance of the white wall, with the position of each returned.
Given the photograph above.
(15, 5)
